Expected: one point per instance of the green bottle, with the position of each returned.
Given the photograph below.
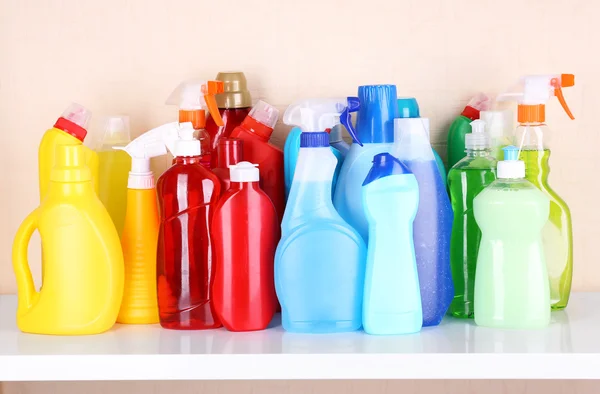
(465, 181)
(462, 126)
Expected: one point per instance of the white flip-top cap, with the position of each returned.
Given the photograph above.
(244, 171)
(511, 167)
(186, 145)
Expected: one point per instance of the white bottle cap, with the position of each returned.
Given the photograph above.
(510, 167)
(244, 172)
(186, 145)
(477, 139)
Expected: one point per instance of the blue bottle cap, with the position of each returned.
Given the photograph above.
(408, 107)
(314, 140)
(511, 152)
(384, 164)
(378, 108)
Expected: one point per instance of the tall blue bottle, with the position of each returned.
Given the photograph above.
(374, 134)
(320, 259)
(392, 299)
(433, 223)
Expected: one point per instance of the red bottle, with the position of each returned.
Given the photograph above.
(234, 105)
(255, 131)
(187, 196)
(246, 232)
(229, 153)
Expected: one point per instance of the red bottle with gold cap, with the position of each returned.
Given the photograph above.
(193, 98)
(229, 152)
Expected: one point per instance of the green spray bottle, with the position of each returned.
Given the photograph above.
(466, 180)
(462, 126)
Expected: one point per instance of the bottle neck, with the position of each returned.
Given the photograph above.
(187, 160)
(478, 152)
(244, 186)
(255, 127)
(70, 188)
(229, 153)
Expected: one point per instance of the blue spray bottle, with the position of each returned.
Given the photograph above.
(433, 223)
(320, 259)
(374, 134)
(392, 299)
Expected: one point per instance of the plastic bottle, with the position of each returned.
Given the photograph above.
(409, 108)
(140, 234)
(500, 127)
(374, 134)
(83, 275)
(392, 299)
(113, 168)
(70, 128)
(330, 109)
(511, 283)
(229, 153)
(187, 195)
(466, 180)
(234, 105)
(462, 126)
(433, 223)
(246, 230)
(193, 98)
(320, 260)
(255, 131)
(529, 137)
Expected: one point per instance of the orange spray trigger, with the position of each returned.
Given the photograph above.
(567, 80)
(209, 90)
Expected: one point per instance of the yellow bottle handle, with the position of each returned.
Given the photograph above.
(25, 287)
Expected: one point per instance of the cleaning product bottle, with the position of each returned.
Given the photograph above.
(255, 131)
(331, 108)
(462, 126)
(113, 168)
(140, 234)
(245, 230)
(511, 283)
(229, 153)
(433, 223)
(466, 180)
(70, 128)
(392, 299)
(500, 127)
(234, 105)
(409, 108)
(374, 134)
(83, 275)
(529, 137)
(320, 260)
(193, 98)
(187, 195)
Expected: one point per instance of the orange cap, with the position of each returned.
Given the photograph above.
(196, 116)
(531, 113)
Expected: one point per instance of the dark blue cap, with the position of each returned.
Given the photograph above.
(314, 140)
(384, 164)
(378, 108)
(408, 107)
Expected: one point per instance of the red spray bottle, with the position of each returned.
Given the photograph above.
(229, 153)
(246, 232)
(255, 131)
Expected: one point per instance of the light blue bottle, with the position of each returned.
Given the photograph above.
(320, 259)
(408, 107)
(392, 299)
(374, 134)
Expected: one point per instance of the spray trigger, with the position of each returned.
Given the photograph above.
(566, 80)
(346, 117)
(208, 91)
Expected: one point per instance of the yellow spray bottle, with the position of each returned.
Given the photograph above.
(83, 275)
(140, 232)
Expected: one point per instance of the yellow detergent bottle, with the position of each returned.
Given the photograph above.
(114, 167)
(83, 275)
(140, 234)
(69, 129)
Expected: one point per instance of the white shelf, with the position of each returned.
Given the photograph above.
(568, 349)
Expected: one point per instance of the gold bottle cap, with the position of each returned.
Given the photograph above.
(236, 93)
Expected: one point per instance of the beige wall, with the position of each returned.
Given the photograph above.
(125, 56)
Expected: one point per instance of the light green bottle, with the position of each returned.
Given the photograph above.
(511, 282)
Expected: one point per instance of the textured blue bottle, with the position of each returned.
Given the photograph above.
(320, 260)
(392, 298)
(433, 223)
(375, 130)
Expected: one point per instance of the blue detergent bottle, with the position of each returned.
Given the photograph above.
(433, 223)
(374, 134)
(392, 299)
(320, 259)
(408, 107)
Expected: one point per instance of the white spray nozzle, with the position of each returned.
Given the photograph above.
(188, 95)
(244, 171)
(478, 138)
(315, 114)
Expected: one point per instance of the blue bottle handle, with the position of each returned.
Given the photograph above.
(346, 118)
